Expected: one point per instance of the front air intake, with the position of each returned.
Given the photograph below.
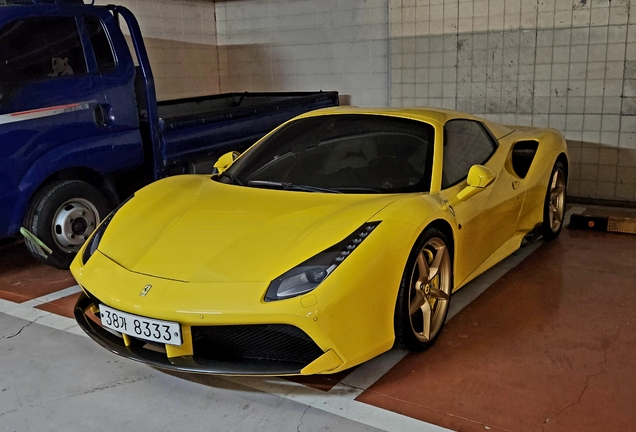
(273, 342)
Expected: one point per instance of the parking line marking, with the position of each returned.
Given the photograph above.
(48, 319)
(341, 406)
(53, 296)
(365, 375)
(371, 371)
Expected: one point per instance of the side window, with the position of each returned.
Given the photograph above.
(35, 49)
(101, 44)
(466, 143)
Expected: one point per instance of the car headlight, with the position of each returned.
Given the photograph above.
(308, 275)
(93, 242)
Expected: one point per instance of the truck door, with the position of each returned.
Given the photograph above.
(47, 100)
(116, 69)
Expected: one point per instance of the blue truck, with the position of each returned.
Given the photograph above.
(80, 125)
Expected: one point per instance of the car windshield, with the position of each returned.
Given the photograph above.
(341, 154)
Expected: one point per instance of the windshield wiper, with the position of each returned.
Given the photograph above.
(232, 178)
(360, 190)
(289, 186)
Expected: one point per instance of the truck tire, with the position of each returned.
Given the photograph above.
(62, 215)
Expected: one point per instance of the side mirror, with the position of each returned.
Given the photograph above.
(479, 177)
(225, 161)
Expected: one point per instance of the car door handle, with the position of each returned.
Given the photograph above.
(103, 115)
(515, 184)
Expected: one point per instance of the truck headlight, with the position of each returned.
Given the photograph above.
(308, 275)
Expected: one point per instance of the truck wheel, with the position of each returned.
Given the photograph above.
(63, 215)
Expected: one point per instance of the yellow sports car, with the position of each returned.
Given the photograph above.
(337, 236)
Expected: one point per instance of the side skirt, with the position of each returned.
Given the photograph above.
(508, 248)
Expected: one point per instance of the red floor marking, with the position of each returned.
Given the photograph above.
(548, 347)
(63, 306)
(22, 278)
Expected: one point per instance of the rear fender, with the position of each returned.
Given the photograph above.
(551, 148)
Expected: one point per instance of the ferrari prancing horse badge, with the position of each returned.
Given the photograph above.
(145, 290)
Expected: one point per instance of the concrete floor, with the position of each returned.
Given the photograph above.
(55, 381)
(549, 346)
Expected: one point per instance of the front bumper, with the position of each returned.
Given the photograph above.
(173, 359)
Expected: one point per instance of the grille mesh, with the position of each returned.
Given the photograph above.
(275, 342)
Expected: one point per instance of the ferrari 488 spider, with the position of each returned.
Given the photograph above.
(339, 235)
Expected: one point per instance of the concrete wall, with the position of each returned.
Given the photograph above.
(566, 64)
(267, 45)
(298, 45)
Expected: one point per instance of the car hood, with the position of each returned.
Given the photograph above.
(193, 229)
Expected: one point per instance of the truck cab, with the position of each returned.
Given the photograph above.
(81, 128)
(68, 116)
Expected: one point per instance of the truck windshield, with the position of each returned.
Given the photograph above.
(345, 153)
(38, 48)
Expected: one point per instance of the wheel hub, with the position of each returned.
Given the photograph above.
(79, 226)
(74, 221)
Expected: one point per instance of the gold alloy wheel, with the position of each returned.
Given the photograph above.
(556, 204)
(429, 289)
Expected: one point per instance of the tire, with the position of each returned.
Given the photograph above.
(62, 215)
(419, 294)
(554, 203)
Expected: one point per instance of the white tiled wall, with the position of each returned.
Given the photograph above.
(302, 45)
(566, 64)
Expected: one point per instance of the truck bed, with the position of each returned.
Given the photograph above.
(182, 113)
(199, 130)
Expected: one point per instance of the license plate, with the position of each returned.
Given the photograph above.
(163, 332)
